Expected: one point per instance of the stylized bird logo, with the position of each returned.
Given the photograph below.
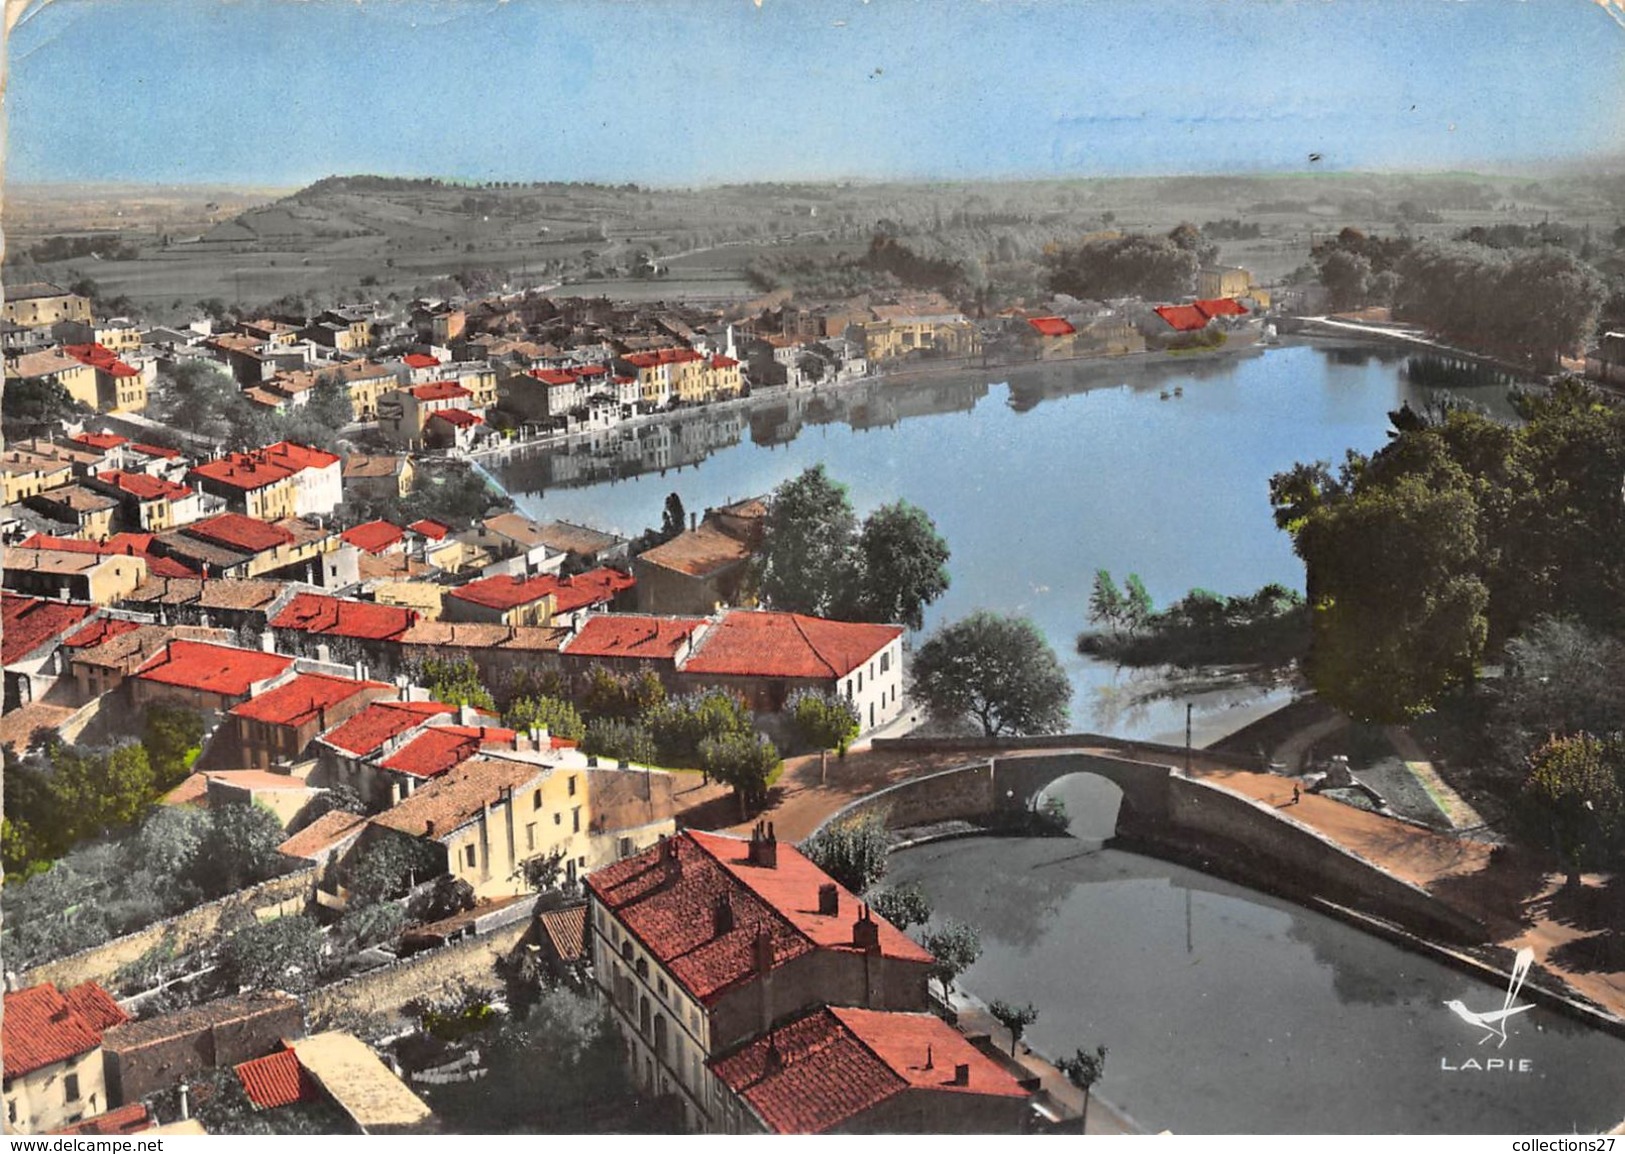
(1494, 1022)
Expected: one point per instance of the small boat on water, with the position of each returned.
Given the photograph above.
(1166, 394)
(1179, 390)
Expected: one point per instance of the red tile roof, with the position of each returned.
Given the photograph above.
(419, 361)
(821, 1070)
(97, 632)
(368, 730)
(594, 587)
(240, 532)
(444, 747)
(321, 835)
(668, 356)
(293, 455)
(365, 620)
(211, 668)
(633, 635)
(42, 1026)
(748, 643)
(242, 471)
(147, 450)
(458, 797)
(462, 418)
(434, 530)
(125, 544)
(1051, 326)
(276, 1080)
(723, 362)
(1185, 318)
(144, 486)
(439, 391)
(301, 699)
(373, 536)
(27, 623)
(131, 1119)
(1220, 307)
(101, 440)
(671, 907)
(554, 376)
(101, 358)
(96, 1006)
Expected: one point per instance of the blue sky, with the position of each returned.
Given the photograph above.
(682, 92)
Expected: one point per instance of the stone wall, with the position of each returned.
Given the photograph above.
(200, 926)
(952, 794)
(383, 992)
(1250, 842)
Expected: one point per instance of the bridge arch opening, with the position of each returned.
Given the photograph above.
(1093, 804)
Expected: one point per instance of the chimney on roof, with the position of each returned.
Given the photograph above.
(829, 899)
(428, 828)
(866, 932)
(962, 1074)
(775, 1058)
(723, 916)
(693, 521)
(764, 848)
(761, 951)
(930, 1064)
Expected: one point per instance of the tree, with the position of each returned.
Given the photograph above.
(559, 718)
(995, 669)
(619, 741)
(282, 954)
(389, 866)
(173, 738)
(745, 762)
(807, 557)
(1137, 604)
(902, 565)
(1016, 1019)
(681, 725)
(97, 791)
(673, 517)
(1574, 789)
(903, 906)
(852, 850)
(1106, 603)
(824, 721)
(626, 696)
(454, 682)
(1083, 1070)
(955, 947)
(238, 849)
(37, 406)
(1561, 677)
(542, 872)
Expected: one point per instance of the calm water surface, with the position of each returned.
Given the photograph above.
(1224, 1010)
(1037, 476)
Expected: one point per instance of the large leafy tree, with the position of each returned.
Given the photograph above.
(807, 562)
(558, 717)
(955, 947)
(902, 565)
(748, 763)
(996, 670)
(852, 850)
(455, 682)
(1576, 798)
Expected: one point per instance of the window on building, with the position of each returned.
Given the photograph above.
(626, 950)
(660, 985)
(11, 1111)
(570, 784)
(536, 800)
(643, 968)
(575, 822)
(558, 819)
(70, 1087)
(469, 854)
(530, 835)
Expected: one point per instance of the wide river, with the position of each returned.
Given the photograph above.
(1224, 1010)
(1037, 476)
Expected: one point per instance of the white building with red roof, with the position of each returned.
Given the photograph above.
(52, 1053)
(706, 942)
(767, 656)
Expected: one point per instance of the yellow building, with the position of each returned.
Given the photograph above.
(259, 488)
(40, 305)
(1214, 282)
(77, 378)
(76, 576)
(26, 474)
(90, 511)
(492, 814)
(924, 323)
(55, 1074)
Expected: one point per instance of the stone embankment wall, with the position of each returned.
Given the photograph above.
(200, 926)
(383, 992)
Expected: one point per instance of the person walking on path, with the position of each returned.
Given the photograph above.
(1296, 795)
